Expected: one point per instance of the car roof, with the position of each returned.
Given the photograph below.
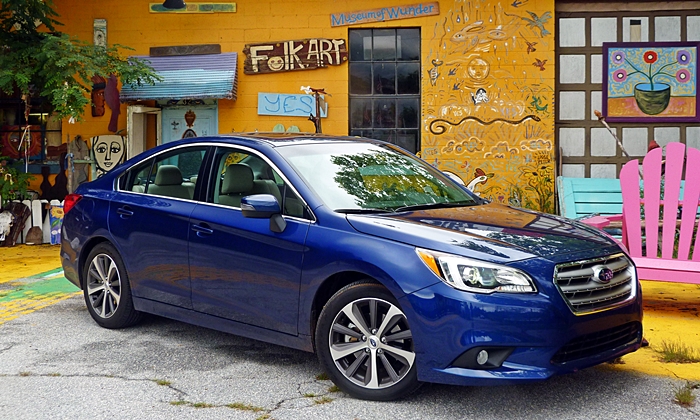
(282, 139)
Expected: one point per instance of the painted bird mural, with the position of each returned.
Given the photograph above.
(480, 177)
(538, 22)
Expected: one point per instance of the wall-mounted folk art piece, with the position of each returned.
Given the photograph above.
(304, 54)
(651, 81)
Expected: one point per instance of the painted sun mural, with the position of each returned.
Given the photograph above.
(489, 97)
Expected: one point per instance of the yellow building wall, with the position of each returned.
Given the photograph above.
(469, 45)
(488, 100)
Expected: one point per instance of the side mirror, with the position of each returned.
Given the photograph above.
(263, 206)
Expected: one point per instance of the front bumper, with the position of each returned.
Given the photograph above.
(538, 333)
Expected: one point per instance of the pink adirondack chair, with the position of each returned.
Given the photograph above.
(662, 232)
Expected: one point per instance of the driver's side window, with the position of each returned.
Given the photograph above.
(239, 174)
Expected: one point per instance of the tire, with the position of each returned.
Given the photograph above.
(106, 289)
(365, 353)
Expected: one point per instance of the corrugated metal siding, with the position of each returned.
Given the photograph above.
(211, 76)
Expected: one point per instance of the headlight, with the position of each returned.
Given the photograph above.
(476, 276)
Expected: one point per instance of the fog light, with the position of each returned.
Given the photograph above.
(482, 357)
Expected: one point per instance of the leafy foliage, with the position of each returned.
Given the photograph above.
(13, 184)
(38, 60)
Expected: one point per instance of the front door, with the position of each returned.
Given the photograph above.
(239, 268)
(189, 121)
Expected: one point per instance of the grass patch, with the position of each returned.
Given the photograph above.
(322, 377)
(202, 405)
(334, 388)
(309, 395)
(162, 382)
(323, 400)
(181, 402)
(684, 396)
(677, 352)
(245, 407)
(263, 417)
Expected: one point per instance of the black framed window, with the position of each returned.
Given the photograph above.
(384, 87)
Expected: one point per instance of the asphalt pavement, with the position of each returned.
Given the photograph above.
(56, 363)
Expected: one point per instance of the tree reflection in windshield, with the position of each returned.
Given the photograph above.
(362, 175)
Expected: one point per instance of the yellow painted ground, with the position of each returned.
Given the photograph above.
(22, 261)
(671, 314)
(671, 310)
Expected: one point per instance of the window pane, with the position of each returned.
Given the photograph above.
(409, 78)
(360, 78)
(385, 78)
(384, 45)
(408, 110)
(361, 45)
(408, 44)
(360, 113)
(385, 113)
(408, 139)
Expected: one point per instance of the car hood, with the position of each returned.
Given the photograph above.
(490, 232)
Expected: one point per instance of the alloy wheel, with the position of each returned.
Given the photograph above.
(371, 343)
(104, 285)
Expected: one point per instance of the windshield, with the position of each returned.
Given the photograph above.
(350, 176)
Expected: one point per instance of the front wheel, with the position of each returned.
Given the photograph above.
(106, 289)
(364, 343)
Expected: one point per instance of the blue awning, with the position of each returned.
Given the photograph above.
(207, 76)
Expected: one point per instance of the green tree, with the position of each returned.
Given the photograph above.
(38, 60)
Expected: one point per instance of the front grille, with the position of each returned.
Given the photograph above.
(585, 293)
(596, 343)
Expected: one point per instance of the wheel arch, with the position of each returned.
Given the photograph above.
(328, 288)
(85, 252)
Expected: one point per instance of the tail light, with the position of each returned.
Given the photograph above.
(70, 201)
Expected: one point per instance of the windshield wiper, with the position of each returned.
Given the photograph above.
(441, 205)
(362, 211)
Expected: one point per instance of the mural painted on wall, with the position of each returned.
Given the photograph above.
(488, 99)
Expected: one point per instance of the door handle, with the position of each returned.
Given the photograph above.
(125, 212)
(202, 229)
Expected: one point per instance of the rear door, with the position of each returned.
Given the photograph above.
(149, 221)
(240, 269)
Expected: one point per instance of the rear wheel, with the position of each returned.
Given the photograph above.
(365, 344)
(106, 289)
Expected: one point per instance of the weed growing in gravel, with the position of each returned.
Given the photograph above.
(677, 352)
(245, 407)
(162, 382)
(323, 400)
(202, 405)
(25, 374)
(309, 395)
(54, 374)
(180, 402)
(684, 394)
(334, 388)
(263, 417)
(322, 377)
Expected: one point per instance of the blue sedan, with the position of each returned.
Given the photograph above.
(355, 249)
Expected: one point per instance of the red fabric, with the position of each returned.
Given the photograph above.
(112, 100)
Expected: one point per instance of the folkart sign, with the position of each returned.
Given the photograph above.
(306, 54)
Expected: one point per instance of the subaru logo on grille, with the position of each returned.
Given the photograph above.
(602, 274)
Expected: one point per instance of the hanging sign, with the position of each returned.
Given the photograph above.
(289, 105)
(305, 54)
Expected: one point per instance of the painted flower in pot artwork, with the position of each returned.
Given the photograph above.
(651, 80)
